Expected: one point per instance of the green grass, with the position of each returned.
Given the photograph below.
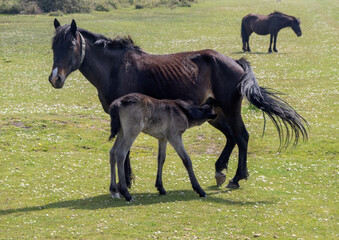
(54, 151)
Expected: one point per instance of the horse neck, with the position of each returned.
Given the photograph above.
(285, 21)
(97, 65)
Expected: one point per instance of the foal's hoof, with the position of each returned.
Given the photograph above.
(233, 185)
(220, 178)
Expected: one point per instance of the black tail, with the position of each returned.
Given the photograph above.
(282, 114)
(115, 128)
(244, 35)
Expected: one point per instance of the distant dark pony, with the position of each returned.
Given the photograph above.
(267, 24)
(165, 120)
(117, 67)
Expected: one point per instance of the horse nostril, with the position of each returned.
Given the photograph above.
(58, 80)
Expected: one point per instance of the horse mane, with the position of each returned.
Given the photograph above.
(119, 42)
(63, 34)
(278, 13)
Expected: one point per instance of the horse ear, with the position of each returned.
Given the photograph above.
(73, 27)
(56, 23)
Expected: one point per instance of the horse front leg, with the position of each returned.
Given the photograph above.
(270, 48)
(275, 42)
(161, 159)
(178, 145)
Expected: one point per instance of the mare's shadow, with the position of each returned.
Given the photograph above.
(105, 201)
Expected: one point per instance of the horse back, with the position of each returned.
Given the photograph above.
(192, 76)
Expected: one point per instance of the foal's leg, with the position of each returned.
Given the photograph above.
(120, 154)
(222, 162)
(275, 42)
(113, 186)
(178, 145)
(270, 48)
(161, 159)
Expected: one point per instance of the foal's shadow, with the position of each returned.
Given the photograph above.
(140, 199)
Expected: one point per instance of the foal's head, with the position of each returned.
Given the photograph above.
(69, 51)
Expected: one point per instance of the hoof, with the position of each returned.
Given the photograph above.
(233, 185)
(202, 194)
(220, 178)
(162, 192)
(129, 199)
(115, 195)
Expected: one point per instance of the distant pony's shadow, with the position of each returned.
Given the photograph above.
(105, 201)
(256, 53)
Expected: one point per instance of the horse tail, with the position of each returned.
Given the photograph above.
(244, 35)
(115, 128)
(287, 121)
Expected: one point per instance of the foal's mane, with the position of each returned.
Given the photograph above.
(64, 34)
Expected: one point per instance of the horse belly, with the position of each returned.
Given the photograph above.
(260, 27)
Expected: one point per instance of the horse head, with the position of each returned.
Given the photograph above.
(296, 26)
(68, 52)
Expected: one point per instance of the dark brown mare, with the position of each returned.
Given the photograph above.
(267, 24)
(117, 67)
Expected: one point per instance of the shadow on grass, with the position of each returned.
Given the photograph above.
(104, 201)
(256, 53)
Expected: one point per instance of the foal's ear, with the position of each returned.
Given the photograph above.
(56, 23)
(73, 28)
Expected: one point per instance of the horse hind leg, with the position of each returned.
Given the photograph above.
(222, 162)
(275, 42)
(248, 41)
(271, 39)
(161, 159)
(241, 136)
(120, 155)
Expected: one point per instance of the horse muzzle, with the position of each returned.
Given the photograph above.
(57, 80)
(299, 34)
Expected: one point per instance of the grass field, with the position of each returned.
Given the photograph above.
(54, 145)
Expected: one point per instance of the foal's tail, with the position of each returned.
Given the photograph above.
(287, 121)
(115, 120)
(115, 128)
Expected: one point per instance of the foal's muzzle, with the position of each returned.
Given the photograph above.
(299, 34)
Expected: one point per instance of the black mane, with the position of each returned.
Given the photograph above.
(125, 42)
(281, 14)
(64, 34)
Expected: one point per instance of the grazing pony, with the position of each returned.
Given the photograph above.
(267, 24)
(165, 120)
(117, 67)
